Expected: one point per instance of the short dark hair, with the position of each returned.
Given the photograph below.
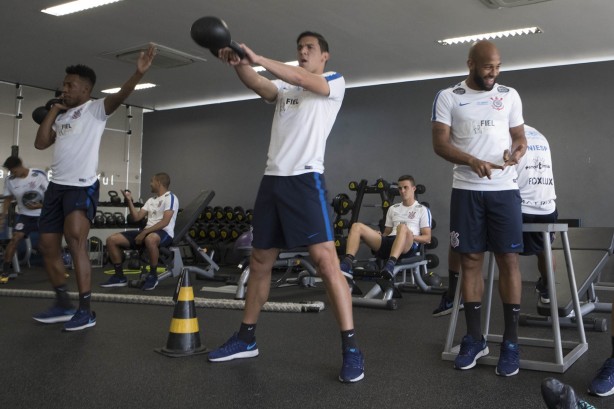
(83, 71)
(12, 162)
(164, 179)
(407, 177)
(321, 40)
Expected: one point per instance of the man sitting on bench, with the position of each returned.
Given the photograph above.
(161, 212)
(408, 224)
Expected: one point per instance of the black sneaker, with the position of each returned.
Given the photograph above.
(542, 290)
(445, 306)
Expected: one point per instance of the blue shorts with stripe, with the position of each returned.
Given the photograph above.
(61, 200)
(291, 211)
(485, 221)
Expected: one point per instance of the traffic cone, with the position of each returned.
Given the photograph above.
(184, 336)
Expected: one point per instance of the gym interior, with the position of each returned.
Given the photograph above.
(382, 131)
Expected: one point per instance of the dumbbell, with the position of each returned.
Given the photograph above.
(433, 244)
(342, 223)
(218, 213)
(229, 212)
(353, 186)
(208, 213)
(382, 185)
(239, 214)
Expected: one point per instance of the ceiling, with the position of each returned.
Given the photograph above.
(372, 42)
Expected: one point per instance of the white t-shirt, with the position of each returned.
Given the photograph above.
(29, 189)
(415, 217)
(78, 133)
(301, 124)
(535, 176)
(479, 125)
(155, 208)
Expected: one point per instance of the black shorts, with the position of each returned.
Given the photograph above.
(485, 221)
(291, 211)
(61, 200)
(384, 249)
(25, 224)
(130, 235)
(534, 241)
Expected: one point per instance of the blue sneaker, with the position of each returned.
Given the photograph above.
(115, 281)
(509, 359)
(470, 351)
(151, 282)
(387, 271)
(603, 384)
(234, 348)
(55, 314)
(353, 369)
(345, 267)
(81, 320)
(542, 290)
(445, 306)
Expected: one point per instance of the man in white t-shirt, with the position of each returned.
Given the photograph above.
(26, 187)
(478, 126)
(408, 224)
(291, 207)
(161, 213)
(536, 184)
(75, 124)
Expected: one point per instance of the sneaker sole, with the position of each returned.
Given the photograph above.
(358, 378)
(238, 355)
(150, 288)
(88, 325)
(447, 312)
(507, 374)
(114, 285)
(604, 394)
(54, 320)
(480, 354)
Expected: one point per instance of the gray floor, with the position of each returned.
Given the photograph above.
(114, 363)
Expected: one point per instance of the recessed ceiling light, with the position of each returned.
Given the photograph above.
(138, 87)
(75, 6)
(491, 36)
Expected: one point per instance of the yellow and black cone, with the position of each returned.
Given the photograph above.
(184, 336)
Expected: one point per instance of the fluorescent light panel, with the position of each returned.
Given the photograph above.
(76, 6)
(138, 87)
(491, 36)
(259, 68)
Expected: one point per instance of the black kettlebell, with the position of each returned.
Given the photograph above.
(109, 219)
(212, 33)
(39, 114)
(120, 220)
(115, 199)
(99, 219)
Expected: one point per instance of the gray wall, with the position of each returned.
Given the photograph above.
(384, 131)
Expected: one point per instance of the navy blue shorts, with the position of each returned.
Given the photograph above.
(291, 211)
(485, 221)
(61, 200)
(534, 241)
(386, 247)
(130, 235)
(25, 224)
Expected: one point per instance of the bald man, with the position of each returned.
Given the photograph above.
(478, 126)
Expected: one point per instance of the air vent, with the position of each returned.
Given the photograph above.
(497, 4)
(166, 57)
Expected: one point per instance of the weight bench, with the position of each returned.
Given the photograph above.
(407, 275)
(591, 248)
(290, 260)
(172, 254)
(576, 349)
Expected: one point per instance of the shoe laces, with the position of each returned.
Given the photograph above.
(469, 345)
(352, 358)
(607, 370)
(509, 352)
